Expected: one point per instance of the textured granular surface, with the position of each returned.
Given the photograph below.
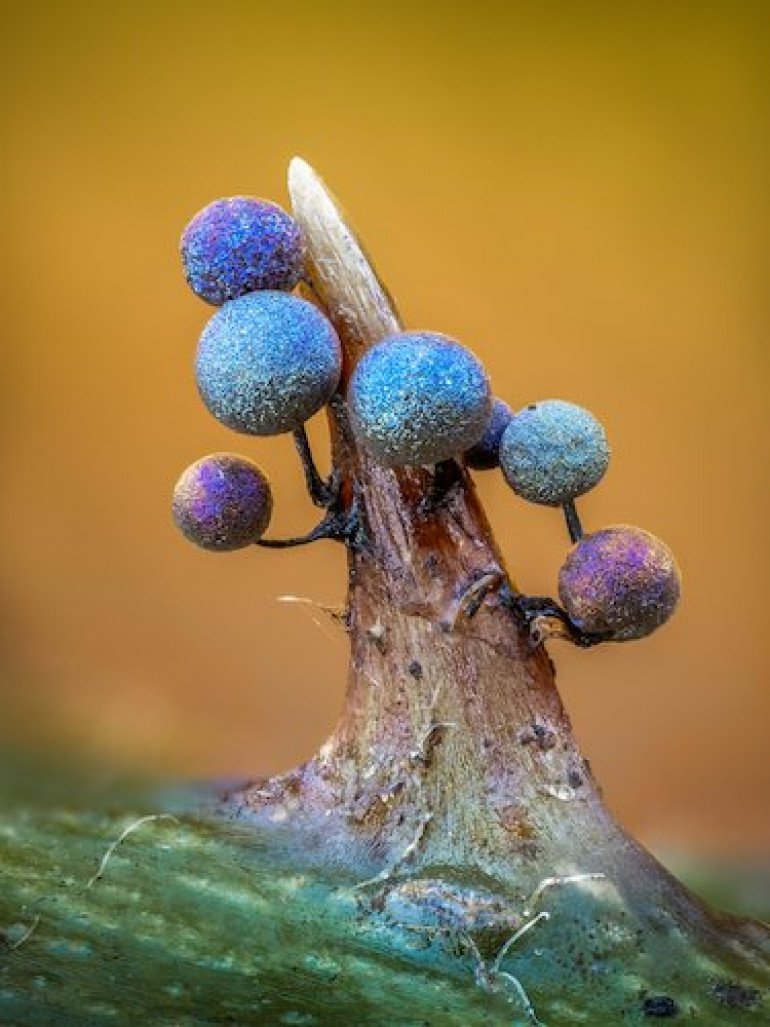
(222, 502)
(620, 580)
(553, 451)
(239, 245)
(419, 398)
(267, 362)
(485, 454)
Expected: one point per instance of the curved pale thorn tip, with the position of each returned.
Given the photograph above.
(343, 278)
(301, 176)
(299, 168)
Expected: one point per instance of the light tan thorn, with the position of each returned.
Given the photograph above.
(343, 278)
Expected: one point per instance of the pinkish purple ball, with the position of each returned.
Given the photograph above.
(621, 581)
(222, 502)
(239, 245)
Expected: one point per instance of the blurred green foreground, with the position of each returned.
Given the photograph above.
(188, 920)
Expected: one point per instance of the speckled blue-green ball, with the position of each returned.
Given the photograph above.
(553, 451)
(485, 454)
(621, 581)
(238, 245)
(267, 362)
(418, 398)
(222, 502)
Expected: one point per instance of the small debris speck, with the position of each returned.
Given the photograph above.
(541, 734)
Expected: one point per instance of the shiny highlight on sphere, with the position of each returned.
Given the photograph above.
(621, 581)
(485, 454)
(553, 451)
(267, 362)
(222, 502)
(418, 398)
(238, 245)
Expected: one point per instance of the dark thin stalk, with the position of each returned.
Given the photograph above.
(329, 527)
(574, 527)
(319, 490)
(532, 610)
(341, 526)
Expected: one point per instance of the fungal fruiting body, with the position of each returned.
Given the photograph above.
(238, 245)
(222, 502)
(553, 451)
(267, 362)
(484, 455)
(621, 582)
(418, 398)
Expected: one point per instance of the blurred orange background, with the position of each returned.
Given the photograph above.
(577, 191)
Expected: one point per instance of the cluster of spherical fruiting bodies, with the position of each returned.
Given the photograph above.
(268, 360)
(619, 583)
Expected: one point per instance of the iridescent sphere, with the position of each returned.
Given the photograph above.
(621, 581)
(222, 502)
(418, 398)
(238, 245)
(267, 362)
(485, 454)
(553, 451)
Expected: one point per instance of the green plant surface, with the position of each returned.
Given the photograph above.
(198, 921)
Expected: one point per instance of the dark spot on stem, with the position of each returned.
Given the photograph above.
(415, 669)
(734, 995)
(660, 1007)
(539, 734)
(431, 563)
(574, 779)
(447, 480)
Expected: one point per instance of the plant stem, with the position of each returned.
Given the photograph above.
(505, 799)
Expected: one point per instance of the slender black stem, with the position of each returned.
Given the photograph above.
(574, 527)
(328, 528)
(340, 525)
(317, 488)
